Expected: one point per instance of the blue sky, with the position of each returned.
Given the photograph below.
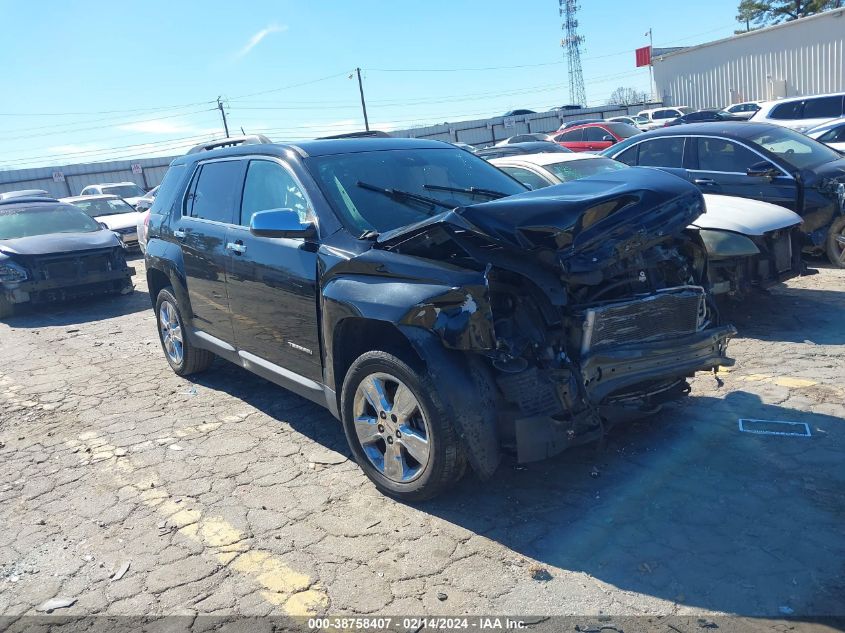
(85, 81)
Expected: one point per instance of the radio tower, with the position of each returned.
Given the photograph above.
(572, 46)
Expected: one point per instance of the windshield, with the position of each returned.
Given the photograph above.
(100, 207)
(355, 185)
(794, 148)
(124, 191)
(27, 222)
(583, 168)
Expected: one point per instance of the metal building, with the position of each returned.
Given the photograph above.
(802, 57)
(69, 180)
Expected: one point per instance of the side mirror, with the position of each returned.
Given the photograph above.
(608, 138)
(763, 169)
(103, 225)
(281, 223)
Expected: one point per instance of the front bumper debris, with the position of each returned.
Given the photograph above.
(622, 382)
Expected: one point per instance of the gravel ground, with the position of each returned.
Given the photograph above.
(228, 495)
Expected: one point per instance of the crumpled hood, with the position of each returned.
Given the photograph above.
(589, 222)
(59, 243)
(743, 215)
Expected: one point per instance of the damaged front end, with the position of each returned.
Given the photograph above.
(587, 302)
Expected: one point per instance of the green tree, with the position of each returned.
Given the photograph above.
(767, 12)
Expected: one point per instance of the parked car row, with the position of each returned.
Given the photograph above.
(444, 307)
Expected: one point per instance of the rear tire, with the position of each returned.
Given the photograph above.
(834, 247)
(181, 355)
(399, 434)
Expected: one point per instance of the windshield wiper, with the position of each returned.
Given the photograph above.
(405, 196)
(490, 193)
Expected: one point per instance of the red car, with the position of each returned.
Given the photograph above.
(594, 137)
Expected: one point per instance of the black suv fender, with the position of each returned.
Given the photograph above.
(166, 267)
(387, 314)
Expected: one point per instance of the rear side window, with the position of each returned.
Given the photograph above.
(718, 154)
(785, 111)
(168, 190)
(270, 186)
(629, 156)
(214, 191)
(836, 135)
(822, 107)
(662, 152)
(574, 136)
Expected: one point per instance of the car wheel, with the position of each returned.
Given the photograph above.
(836, 243)
(7, 308)
(184, 358)
(398, 433)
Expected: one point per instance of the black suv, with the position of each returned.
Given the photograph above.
(386, 280)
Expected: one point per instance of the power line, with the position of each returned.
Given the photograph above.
(97, 127)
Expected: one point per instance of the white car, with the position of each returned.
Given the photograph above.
(637, 121)
(524, 138)
(831, 134)
(802, 113)
(129, 191)
(117, 214)
(733, 230)
(658, 117)
(744, 110)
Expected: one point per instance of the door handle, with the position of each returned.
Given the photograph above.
(180, 235)
(704, 181)
(236, 247)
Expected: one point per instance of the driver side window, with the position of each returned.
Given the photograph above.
(268, 186)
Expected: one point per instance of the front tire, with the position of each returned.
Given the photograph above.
(836, 243)
(181, 355)
(399, 434)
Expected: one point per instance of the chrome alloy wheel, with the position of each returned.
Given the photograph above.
(171, 332)
(391, 427)
(840, 246)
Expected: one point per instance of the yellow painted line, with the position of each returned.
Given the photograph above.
(293, 592)
(792, 382)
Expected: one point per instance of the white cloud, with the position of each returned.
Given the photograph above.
(255, 40)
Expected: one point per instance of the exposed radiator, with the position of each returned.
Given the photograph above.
(665, 314)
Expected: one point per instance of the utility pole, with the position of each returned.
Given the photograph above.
(651, 85)
(223, 114)
(363, 103)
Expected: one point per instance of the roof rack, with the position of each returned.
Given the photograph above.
(365, 134)
(252, 139)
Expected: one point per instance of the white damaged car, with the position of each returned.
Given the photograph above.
(749, 243)
(113, 211)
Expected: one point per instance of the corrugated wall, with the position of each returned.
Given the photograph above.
(78, 176)
(803, 57)
(488, 131)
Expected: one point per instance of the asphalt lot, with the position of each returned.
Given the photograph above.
(228, 495)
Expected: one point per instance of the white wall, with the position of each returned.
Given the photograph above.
(802, 57)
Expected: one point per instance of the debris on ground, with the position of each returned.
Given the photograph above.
(121, 571)
(175, 447)
(539, 573)
(442, 596)
(56, 603)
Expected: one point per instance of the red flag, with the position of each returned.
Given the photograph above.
(643, 56)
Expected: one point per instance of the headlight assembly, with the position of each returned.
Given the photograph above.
(12, 273)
